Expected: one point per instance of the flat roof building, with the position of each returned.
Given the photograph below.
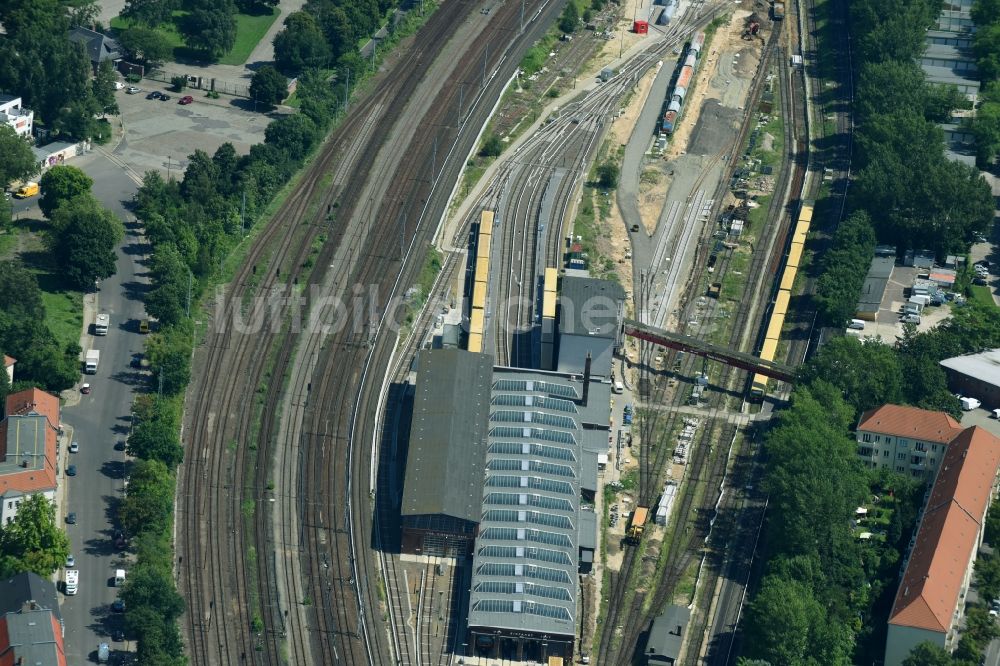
(29, 436)
(13, 113)
(874, 287)
(976, 376)
(534, 533)
(590, 314)
(666, 636)
(442, 493)
(930, 601)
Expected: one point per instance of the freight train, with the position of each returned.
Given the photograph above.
(674, 102)
(776, 320)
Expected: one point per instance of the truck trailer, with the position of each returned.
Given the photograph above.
(91, 362)
(637, 525)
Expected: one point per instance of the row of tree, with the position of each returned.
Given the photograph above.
(152, 604)
(843, 268)
(986, 45)
(326, 33)
(914, 195)
(51, 74)
(192, 224)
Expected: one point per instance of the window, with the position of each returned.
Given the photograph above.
(900, 468)
(865, 451)
(915, 460)
(902, 443)
(866, 437)
(885, 453)
(919, 446)
(901, 456)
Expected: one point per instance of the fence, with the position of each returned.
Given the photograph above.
(202, 83)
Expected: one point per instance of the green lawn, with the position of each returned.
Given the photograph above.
(63, 310)
(250, 29)
(982, 295)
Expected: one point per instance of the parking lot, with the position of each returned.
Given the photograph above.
(159, 135)
(888, 323)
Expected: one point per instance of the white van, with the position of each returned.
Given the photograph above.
(911, 319)
(103, 653)
(619, 387)
(119, 577)
(72, 582)
(857, 324)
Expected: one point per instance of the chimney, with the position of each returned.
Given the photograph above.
(586, 379)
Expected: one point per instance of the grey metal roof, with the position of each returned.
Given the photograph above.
(588, 530)
(447, 450)
(25, 443)
(966, 81)
(949, 52)
(588, 471)
(24, 587)
(588, 306)
(667, 634)
(875, 283)
(525, 566)
(32, 638)
(99, 47)
(985, 366)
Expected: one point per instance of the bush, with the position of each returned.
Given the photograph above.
(179, 83)
(492, 146)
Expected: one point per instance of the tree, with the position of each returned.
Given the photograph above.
(145, 45)
(570, 18)
(156, 440)
(928, 654)
(60, 184)
(293, 135)
(149, 13)
(170, 361)
(867, 373)
(987, 570)
(6, 214)
(492, 146)
(300, 44)
(84, 245)
(256, 6)
(844, 267)
(607, 174)
(211, 28)
(779, 621)
(268, 86)
(150, 499)
(33, 541)
(167, 298)
(104, 88)
(18, 161)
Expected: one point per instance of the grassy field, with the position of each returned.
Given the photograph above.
(980, 294)
(63, 308)
(250, 29)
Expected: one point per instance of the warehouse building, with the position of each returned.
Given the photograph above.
(976, 376)
(536, 534)
(874, 287)
(666, 637)
(590, 315)
(442, 493)
(930, 601)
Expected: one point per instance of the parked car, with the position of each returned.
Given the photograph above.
(118, 635)
(70, 562)
(132, 90)
(164, 97)
(187, 99)
(118, 606)
(71, 518)
(85, 389)
(156, 94)
(120, 445)
(74, 447)
(71, 470)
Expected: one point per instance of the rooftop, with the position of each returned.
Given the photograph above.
(589, 307)
(984, 366)
(526, 561)
(29, 437)
(667, 632)
(31, 637)
(447, 450)
(99, 46)
(904, 421)
(948, 533)
(875, 283)
(25, 587)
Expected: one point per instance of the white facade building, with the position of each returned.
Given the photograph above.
(13, 113)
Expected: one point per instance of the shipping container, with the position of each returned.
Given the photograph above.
(684, 78)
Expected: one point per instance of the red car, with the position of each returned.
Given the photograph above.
(187, 99)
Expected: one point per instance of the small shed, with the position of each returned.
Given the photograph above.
(640, 28)
(607, 72)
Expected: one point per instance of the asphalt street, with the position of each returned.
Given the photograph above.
(99, 420)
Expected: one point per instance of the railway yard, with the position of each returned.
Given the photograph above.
(292, 541)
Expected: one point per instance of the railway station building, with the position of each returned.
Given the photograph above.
(937, 569)
(545, 432)
(446, 457)
(590, 315)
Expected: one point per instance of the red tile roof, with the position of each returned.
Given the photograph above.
(901, 421)
(8, 361)
(948, 533)
(32, 480)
